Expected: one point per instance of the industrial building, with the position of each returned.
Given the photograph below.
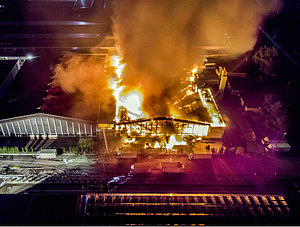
(46, 125)
(40, 186)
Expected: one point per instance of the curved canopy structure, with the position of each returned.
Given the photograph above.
(42, 124)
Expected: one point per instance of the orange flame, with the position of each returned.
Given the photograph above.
(173, 142)
(156, 145)
(132, 100)
(194, 70)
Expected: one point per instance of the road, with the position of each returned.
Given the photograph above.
(235, 173)
(221, 173)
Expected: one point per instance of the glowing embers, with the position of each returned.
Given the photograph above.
(156, 144)
(130, 140)
(162, 126)
(211, 106)
(173, 142)
(194, 70)
(166, 143)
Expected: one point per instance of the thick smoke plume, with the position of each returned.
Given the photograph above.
(159, 38)
(84, 78)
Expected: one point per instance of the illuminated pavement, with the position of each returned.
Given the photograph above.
(226, 189)
(226, 173)
(251, 173)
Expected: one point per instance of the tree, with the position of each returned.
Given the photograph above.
(267, 59)
(86, 144)
(273, 115)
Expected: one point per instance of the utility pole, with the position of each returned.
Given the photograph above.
(103, 130)
(103, 127)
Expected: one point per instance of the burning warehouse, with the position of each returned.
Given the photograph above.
(179, 112)
(169, 133)
(159, 126)
(193, 117)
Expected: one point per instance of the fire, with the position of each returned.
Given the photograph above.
(211, 107)
(156, 145)
(131, 102)
(147, 145)
(174, 112)
(173, 142)
(119, 67)
(130, 140)
(115, 61)
(194, 70)
(189, 92)
(116, 94)
(168, 146)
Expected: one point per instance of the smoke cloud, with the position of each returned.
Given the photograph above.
(159, 38)
(84, 79)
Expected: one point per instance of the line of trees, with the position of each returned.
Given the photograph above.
(273, 114)
(273, 111)
(84, 145)
(15, 150)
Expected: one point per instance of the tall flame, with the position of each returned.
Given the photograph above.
(115, 61)
(119, 67)
(132, 100)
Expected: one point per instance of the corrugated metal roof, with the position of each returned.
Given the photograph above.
(146, 208)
